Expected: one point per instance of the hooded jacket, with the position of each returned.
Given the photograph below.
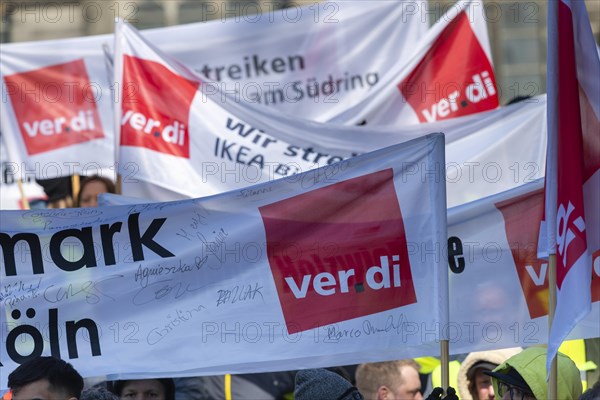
(531, 365)
(496, 357)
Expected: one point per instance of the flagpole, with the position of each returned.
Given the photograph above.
(75, 186)
(24, 200)
(119, 184)
(445, 359)
(553, 379)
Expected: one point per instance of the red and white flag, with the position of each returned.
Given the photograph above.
(56, 108)
(573, 162)
(449, 75)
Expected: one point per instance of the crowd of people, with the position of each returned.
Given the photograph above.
(512, 374)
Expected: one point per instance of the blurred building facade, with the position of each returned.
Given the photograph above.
(517, 28)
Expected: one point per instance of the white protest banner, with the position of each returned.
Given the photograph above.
(185, 139)
(449, 75)
(56, 96)
(322, 268)
(311, 62)
(498, 286)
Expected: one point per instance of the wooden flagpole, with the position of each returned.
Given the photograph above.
(553, 379)
(119, 184)
(24, 200)
(445, 359)
(75, 187)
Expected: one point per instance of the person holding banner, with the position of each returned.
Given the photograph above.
(98, 393)
(91, 187)
(145, 389)
(321, 384)
(390, 380)
(473, 383)
(523, 377)
(45, 378)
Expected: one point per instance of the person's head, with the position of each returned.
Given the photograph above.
(524, 375)
(91, 187)
(510, 385)
(317, 384)
(482, 388)
(145, 389)
(389, 380)
(472, 382)
(98, 393)
(45, 378)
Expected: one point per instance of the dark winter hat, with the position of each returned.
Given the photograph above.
(484, 365)
(98, 393)
(320, 384)
(56, 188)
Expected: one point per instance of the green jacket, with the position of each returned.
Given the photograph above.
(531, 365)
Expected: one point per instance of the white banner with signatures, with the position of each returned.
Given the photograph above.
(492, 256)
(324, 268)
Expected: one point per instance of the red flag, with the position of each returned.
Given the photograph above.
(573, 177)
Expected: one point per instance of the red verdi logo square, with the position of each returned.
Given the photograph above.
(454, 78)
(522, 216)
(339, 252)
(55, 106)
(156, 107)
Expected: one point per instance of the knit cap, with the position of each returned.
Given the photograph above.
(321, 384)
(98, 393)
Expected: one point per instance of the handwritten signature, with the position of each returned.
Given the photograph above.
(176, 319)
(161, 289)
(143, 274)
(13, 293)
(239, 293)
(391, 325)
(92, 290)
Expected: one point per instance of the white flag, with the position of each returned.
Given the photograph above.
(56, 109)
